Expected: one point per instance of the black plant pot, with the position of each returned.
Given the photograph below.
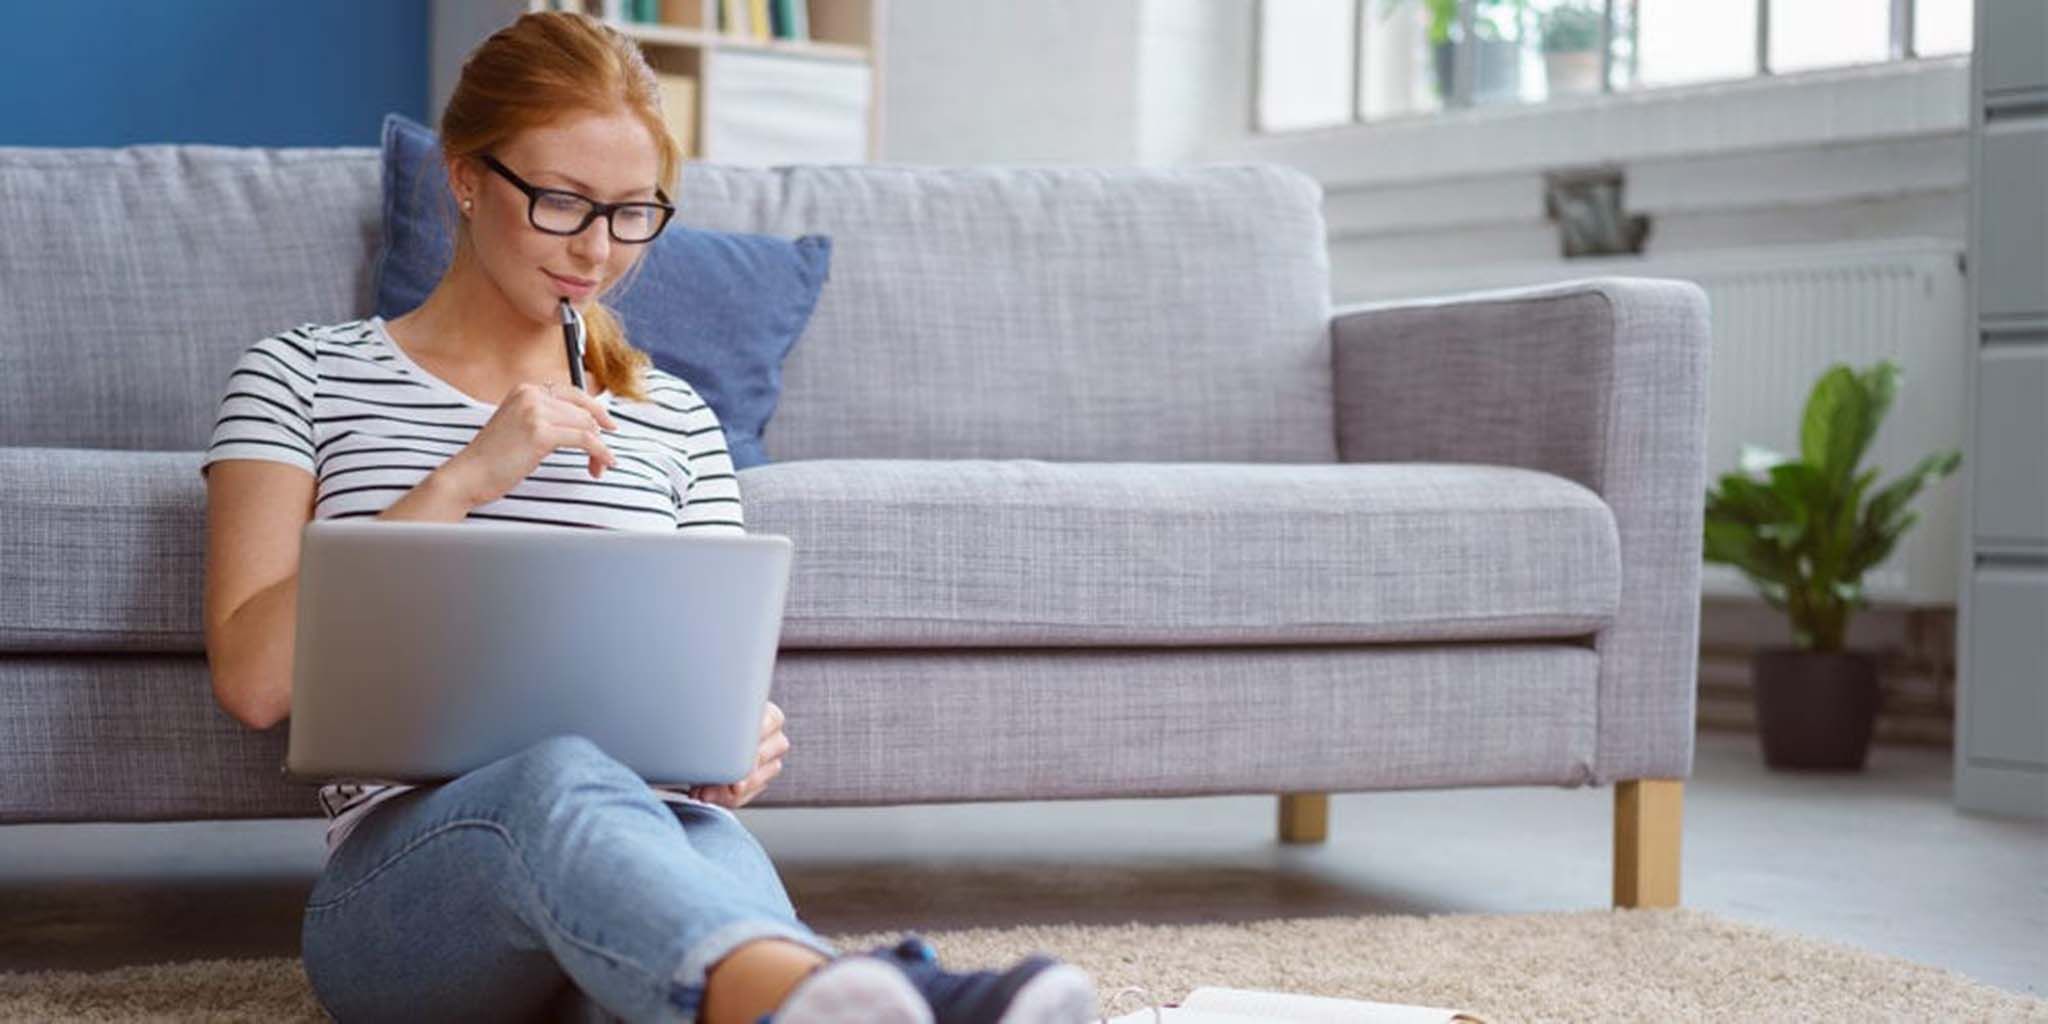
(1815, 710)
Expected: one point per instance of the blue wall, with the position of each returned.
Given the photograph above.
(232, 72)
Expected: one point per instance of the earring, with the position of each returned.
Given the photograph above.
(467, 204)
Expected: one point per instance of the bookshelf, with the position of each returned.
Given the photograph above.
(737, 95)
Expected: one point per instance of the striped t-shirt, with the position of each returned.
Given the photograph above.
(346, 404)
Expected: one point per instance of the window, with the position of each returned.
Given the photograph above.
(1332, 62)
(1308, 67)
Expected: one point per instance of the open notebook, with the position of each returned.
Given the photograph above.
(1249, 1006)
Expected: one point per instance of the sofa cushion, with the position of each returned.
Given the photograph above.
(101, 551)
(1021, 552)
(104, 551)
(151, 268)
(719, 309)
(1066, 313)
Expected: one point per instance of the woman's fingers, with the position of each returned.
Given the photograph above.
(752, 787)
(587, 439)
(596, 410)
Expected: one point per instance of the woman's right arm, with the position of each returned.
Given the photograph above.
(255, 511)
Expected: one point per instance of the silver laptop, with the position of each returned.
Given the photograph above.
(426, 650)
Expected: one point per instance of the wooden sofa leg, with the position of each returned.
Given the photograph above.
(1647, 814)
(1304, 817)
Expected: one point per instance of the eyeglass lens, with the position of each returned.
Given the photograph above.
(566, 215)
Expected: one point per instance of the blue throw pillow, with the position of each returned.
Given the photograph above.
(719, 310)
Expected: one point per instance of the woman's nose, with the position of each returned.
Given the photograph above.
(594, 242)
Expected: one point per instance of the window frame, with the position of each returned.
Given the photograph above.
(1464, 69)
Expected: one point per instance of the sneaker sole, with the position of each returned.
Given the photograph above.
(1060, 994)
(855, 990)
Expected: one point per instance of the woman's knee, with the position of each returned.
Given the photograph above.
(563, 763)
(435, 931)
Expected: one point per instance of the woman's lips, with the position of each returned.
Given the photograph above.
(575, 286)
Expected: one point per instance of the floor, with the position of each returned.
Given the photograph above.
(1881, 860)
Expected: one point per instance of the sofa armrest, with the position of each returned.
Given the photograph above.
(1602, 381)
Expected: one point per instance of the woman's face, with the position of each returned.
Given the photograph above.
(610, 158)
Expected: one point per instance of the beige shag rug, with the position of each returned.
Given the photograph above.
(1599, 965)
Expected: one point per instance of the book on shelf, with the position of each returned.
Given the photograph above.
(782, 18)
(732, 17)
(763, 20)
(639, 12)
(1212, 1005)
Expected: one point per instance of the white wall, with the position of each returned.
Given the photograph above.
(455, 27)
(996, 81)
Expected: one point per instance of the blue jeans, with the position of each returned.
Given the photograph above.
(482, 898)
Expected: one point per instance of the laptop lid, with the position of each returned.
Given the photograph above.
(426, 650)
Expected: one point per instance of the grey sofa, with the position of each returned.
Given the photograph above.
(1092, 493)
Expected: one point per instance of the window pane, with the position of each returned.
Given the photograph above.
(1407, 50)
(1829, 33)
(1305, 54)
(1941, 27)
(1692, 41)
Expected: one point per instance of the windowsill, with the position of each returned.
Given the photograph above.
(1833, 105)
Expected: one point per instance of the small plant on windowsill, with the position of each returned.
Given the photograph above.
(1571, 28)
(1570, 39)
(1801, 531)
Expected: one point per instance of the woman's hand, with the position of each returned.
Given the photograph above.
(767, 765)
(532, 421)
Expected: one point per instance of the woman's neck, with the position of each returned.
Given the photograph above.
(466, 321)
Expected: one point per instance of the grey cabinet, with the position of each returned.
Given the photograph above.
(2002, 626)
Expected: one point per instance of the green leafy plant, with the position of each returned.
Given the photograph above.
(1569, 28)
(1800, 529)
(1443, 14)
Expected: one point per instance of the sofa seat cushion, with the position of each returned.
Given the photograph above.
(105, 551)
(1024, 552)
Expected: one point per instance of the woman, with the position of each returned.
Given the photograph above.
(484, 897)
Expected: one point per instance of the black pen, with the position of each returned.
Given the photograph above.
(572, 339)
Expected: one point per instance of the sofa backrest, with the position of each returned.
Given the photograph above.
(131, 279)
(1064, 313)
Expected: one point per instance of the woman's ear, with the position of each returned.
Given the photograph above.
(463, 180)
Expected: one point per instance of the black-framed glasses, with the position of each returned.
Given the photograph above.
(561, 212)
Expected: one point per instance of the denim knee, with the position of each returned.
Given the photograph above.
(567, 758)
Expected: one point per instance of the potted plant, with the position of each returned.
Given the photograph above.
(1496, 59)
(1801, 530)
(1570, 37)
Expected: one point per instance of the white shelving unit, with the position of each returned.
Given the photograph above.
(763, 102)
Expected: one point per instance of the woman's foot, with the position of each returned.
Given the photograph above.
(904, 984)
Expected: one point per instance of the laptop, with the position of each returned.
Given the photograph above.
(426, 650)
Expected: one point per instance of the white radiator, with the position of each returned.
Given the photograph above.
(1780, 317)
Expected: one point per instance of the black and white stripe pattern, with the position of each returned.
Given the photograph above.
(345, 403)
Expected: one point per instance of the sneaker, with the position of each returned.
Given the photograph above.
(1036, 990)
(853, 990)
